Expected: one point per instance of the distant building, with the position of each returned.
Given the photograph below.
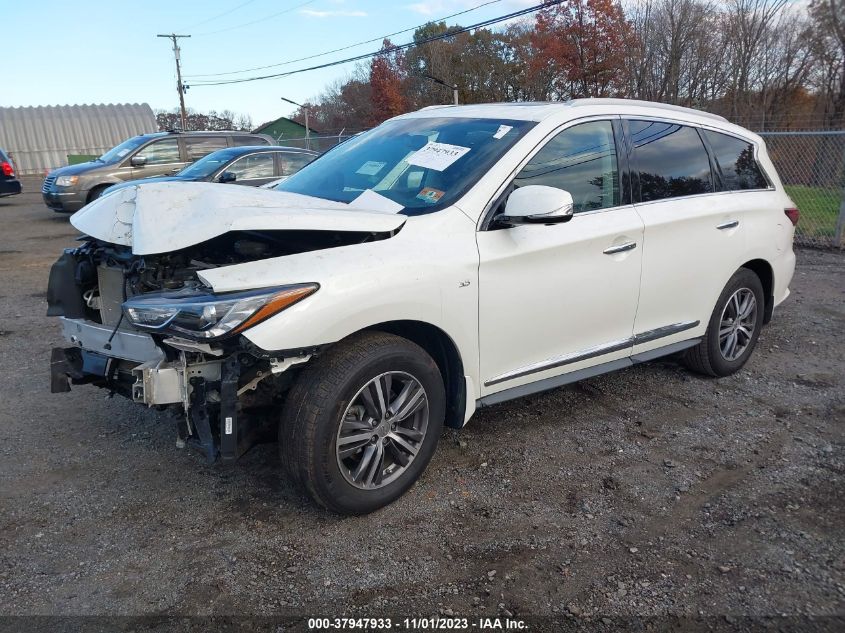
(284, 128)
(41, 138)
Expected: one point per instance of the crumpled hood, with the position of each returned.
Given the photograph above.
(162, 217)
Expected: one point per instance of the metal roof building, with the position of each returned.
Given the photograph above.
(40, 138)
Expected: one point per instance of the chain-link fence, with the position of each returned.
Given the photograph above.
(317, 142)
(812, 168)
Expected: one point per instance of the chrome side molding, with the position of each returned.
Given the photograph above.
(593, 352)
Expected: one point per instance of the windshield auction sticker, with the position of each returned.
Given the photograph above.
(436, 156)
(432, 196)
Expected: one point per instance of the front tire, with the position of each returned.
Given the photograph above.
(362, 421)
(96, 192)
(733, 328)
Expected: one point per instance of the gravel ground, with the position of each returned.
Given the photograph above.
(646, 493)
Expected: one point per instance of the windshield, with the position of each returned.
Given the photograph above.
(423, 164)
(207, 165)
(120, 152)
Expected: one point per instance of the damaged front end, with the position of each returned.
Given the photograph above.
(142, 321)
(148, 329)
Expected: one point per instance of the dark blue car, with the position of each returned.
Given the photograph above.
(249, 165)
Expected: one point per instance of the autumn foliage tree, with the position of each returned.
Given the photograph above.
(581, 48)
(763, 63)
(386, 78)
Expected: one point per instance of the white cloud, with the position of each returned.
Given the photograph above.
(333, 14)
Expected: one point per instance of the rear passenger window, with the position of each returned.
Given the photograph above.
(670, 159)
(199, 146)
(292, 163)
(580, 160)
(738, 169)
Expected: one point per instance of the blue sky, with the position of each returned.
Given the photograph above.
(92, 51)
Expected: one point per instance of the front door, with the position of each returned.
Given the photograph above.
(253, 169)
(163, 159)
(558, 298)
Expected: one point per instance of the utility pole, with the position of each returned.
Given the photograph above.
(305, 109)
(179, 87)
(454, 87)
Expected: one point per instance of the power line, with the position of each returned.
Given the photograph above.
(225, 13)
(264, 19)
(392, 49)
(344, 48)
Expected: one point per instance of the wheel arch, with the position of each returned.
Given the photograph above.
(766, 274)
(98, 187)
(445, 353)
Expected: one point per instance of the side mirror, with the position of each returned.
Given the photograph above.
(227, 176)
(138, 161)
(537, 204)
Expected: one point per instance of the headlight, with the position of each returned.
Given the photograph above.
(209, 317)
(67, 181)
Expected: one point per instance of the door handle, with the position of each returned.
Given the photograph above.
(732, 224)
(621, 248)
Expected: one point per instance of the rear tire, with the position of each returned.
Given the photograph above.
(350, 453)
(733, 328)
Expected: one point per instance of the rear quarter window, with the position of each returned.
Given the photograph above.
(737, 166)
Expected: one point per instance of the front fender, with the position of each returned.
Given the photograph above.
(427, 272)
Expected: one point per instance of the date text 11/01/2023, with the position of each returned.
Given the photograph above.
(418, 624)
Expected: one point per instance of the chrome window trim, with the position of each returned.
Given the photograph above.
(709, 128)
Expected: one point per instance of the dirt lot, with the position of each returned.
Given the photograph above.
(648, 492)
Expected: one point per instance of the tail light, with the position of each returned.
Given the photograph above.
(793, 215)
(7, 169)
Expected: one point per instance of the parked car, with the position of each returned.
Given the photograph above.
(70, 188)
(251, 165)
(449, 259)
(9, 184)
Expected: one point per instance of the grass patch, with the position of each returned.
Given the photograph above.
(819, 207)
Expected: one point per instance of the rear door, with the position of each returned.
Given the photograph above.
(288, 163)
(693, 235)
(198, 146)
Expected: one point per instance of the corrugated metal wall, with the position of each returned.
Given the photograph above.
(40, 138)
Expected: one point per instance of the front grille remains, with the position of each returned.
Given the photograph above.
(49, 181)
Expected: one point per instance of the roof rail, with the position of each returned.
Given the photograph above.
(593, 101)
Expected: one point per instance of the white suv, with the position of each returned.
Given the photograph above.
(449, 259)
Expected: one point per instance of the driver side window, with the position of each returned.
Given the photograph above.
(161, 152)
(580, 160)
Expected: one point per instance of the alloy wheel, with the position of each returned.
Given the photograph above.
(382, 430)
(736, 327)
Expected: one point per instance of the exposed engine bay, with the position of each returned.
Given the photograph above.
(146, 327)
